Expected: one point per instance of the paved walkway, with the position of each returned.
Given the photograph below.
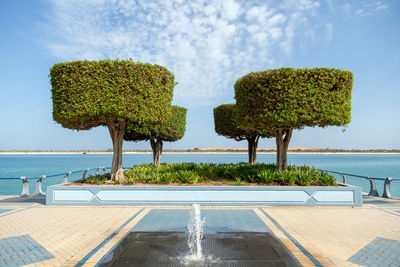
(33, 234)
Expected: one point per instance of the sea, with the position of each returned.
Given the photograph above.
(36, 165)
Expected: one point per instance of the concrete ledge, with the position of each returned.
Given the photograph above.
(205, 195)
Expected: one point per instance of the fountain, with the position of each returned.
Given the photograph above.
(227, 248)
(195, 229)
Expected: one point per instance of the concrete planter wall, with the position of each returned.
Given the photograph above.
(206, 195)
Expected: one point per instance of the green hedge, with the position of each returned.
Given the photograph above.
(226, 124)
(89, 93)
(171, 130)
(294, 98)
(235, 174)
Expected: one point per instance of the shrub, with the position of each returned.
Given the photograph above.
(184, 176)
(280, 100)
(226, 124)
(110, 93)
(237, 174)
(266, 176)
(325, 179)
(286, 177)
(171, 130)
(168, 177)
(98, 179)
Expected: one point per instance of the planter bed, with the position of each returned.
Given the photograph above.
(70, 194)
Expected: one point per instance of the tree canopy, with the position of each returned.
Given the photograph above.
(87, 94)
(110, 93)
(226, 123)
(281, 100)
(286, 97)
(172, 129)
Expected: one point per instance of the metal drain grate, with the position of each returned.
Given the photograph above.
(223, 249)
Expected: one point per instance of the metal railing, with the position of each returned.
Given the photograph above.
(38, 189)
(372, 191)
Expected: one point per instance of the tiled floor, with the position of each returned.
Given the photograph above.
(79, 235)
(380, 252)
(21, 250)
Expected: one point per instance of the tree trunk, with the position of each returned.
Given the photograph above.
(252, 149)
(282, 144)
(116, 129)
(156, 146)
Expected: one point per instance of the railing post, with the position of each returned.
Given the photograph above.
(344, 178)
(38, 188)
(386, 188)
(65, 181)
(104, 170)
(25, 187)
(372, 192)
(84, 174)
(96, 172)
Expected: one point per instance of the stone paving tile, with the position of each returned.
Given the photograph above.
(102, 251)
(336, 233)
(65, 231)
(22, 250)
(379, 252)
(69, 233)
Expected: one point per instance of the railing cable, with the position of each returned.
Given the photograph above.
(372, 191)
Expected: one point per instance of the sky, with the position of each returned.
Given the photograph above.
(208, 45)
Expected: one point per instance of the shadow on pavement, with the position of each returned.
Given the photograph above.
(17, 199)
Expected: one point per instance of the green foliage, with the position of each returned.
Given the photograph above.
(234, 174)
(98, 179)
(266, 176)
(87, 94)
(294, 98)
(324, 179)
(286, 178)
(172, 129)
(226, 123)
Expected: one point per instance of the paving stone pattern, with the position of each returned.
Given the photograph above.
(381, 252)
(69, 233)
(21, 250)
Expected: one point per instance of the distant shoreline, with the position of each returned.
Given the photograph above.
(195, 152)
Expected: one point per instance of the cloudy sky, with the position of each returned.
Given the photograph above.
(208, 45)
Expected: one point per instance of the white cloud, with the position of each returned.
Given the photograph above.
(206, 44)
(231, 9)
(376, 6)
(364, 8)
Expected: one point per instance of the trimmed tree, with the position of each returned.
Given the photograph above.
(226, 124)
(171, 130)
(110, 93)
(284, 99)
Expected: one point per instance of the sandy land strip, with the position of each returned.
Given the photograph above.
(197, 152)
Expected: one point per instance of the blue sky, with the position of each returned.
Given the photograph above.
(208, 45)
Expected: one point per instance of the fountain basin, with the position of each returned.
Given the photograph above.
(345, 195)
(220, 249)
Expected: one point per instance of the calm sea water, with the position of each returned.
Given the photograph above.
(37, 165)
